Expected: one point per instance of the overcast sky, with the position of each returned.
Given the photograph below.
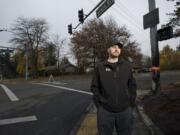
(60, 13)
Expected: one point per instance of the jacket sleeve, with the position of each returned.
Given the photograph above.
(132, 87)
(95, 86)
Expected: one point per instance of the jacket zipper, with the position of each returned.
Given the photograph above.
(116, 92)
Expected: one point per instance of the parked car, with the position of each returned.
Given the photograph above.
(144, 70)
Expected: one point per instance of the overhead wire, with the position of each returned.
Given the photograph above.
(127, 15)
(129, 12)
(133, 23)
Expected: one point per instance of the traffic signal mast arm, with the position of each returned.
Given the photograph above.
(83, 17)
(86, 16)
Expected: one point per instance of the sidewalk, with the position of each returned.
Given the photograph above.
(88, 125)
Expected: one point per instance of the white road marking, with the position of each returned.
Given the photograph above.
(56, 83)
(17, 120)
(10, 94)
(69, 89)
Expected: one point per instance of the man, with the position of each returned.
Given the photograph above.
(114, 93)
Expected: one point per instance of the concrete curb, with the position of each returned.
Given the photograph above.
(154, 130)
(148, 122)
(78, 124)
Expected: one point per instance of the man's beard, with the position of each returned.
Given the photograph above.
(114, 56)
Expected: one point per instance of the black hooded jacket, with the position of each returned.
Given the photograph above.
(113, 86)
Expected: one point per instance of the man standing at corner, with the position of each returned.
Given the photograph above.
(114, 93)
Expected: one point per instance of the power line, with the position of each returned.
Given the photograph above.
(128, 18)
(138, 26)
(133, 21)
(130, 21)
(124, 11)
(129, 12)
(133, 17)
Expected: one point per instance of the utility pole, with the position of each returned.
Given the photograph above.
(154, 53)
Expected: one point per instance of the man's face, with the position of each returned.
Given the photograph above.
(114, 51)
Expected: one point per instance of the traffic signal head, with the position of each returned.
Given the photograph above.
(70, 28)
(81, 15)
(165, 33)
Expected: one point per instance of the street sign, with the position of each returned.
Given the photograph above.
(105, 6)
(151, 19)
(165, 33)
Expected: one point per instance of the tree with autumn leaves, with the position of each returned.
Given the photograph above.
(169, 58)
(90, 43)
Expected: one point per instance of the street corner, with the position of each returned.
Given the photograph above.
(162, 110)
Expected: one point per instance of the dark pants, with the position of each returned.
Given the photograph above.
(122, 121)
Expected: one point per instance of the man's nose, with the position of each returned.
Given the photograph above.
(116, 49)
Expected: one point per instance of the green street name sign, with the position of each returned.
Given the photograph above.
(107, 4)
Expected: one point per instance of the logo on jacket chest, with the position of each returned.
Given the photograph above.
(107, 69)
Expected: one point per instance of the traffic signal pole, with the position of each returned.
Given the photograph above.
(154, 53)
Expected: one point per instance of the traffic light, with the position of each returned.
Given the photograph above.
(81, 15)
(165, 33)
(70, 28)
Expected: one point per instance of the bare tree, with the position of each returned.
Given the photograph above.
(59, 47)
(49, 54)
(32, 33)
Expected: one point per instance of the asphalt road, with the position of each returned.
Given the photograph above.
(54, 109)
(166, 78)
